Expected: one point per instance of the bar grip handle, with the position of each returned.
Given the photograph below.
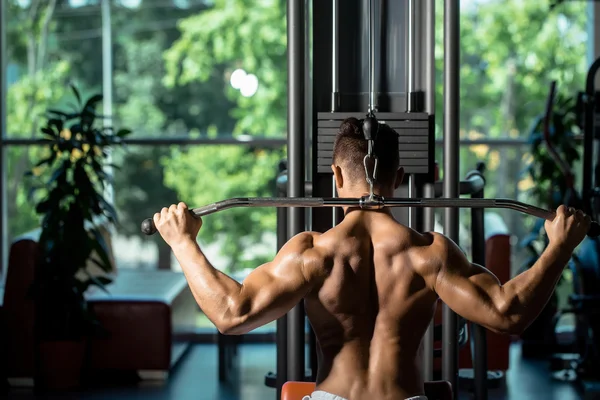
(148, 227)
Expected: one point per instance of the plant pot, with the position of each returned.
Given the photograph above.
(60, 364)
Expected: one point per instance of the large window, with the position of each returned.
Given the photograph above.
(203, 84)
(200, 83)
(510, 52)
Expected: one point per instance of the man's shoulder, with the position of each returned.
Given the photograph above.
(303, 243)
(437, 251)
(306, 239)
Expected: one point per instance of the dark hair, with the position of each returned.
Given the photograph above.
(350, 148)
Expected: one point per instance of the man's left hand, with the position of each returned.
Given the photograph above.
(176, 224)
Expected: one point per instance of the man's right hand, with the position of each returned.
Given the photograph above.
(569, 228)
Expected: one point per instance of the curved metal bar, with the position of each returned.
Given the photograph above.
(368, 203)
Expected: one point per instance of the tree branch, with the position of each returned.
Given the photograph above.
(43, 42)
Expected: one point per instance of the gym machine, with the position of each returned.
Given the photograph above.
(582, 365)
(403, 97)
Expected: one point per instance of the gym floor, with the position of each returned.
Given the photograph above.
(195, 378)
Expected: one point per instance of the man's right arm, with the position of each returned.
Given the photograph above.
(476, 294)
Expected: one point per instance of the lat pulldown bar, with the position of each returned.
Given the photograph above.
(366, 203)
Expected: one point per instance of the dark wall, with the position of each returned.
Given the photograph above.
(354, 54)
(353, 72)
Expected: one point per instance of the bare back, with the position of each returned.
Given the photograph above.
(371, 311)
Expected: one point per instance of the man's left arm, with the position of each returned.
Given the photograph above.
(266, 294)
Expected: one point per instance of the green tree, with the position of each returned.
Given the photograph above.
(141, 100)
(231, 35)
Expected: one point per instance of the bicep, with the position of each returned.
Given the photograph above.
(278, 284)
(470, 290)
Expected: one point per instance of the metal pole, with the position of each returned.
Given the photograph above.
(296, 128)
(281, 329)
(478, 332)
(335, 87)
(309, 135)
(412, 193)
(335, 80)
(411, 56)
(3, 169)
(428, 226)
(451, 174)
(429, 56)
(372, 59)
(107, 84)
(410, 94)
(589, 140)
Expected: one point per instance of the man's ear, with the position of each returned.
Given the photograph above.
(337, 173)
(399, 177)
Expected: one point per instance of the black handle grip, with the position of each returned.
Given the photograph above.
(594, 230)
(148, 227)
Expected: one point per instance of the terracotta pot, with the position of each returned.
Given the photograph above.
(60, 364)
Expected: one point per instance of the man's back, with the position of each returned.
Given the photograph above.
(371, 311)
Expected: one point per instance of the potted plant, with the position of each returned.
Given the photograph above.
(552, 188)
(68, 195)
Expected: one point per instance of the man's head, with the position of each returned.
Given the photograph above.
(349, 151)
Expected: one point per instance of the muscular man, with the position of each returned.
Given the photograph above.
(369, 284)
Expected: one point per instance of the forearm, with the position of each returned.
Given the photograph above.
(216, 293)
(525, 296)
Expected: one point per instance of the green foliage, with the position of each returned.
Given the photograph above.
(203, 175)
(231, 35)
(26, 102)
(68, 194)
(237, 34)
(510, 52)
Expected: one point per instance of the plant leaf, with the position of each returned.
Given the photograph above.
(123, 132)
(103, 267)
(99, 245)
(90, 105)
(58, 112)
(46, 160)
(48, 131)
(99, 281)
(58, 123)
(77, 95)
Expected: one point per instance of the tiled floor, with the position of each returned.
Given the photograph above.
(195, 378)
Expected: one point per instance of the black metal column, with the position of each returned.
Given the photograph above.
(429, 56)
(281, 338)
(589, 148)
(478, 332)
(309, 135)
(296, 172)
(335, 87)
(428, 226)
(451, 174)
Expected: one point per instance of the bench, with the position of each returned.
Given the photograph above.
(143, 314)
